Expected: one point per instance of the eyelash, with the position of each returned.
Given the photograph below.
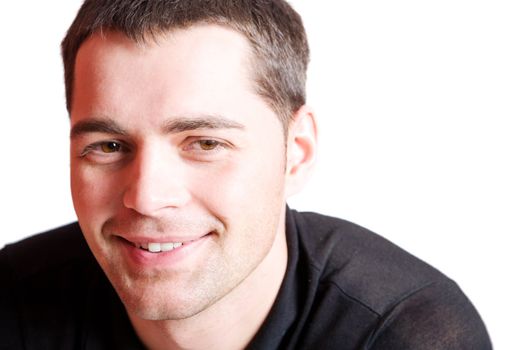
(217, 145)
(121, 147)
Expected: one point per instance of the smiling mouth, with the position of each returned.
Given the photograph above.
(161, 247)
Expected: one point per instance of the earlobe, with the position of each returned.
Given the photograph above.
(301, 149)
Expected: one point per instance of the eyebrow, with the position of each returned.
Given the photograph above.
(200, 122)
(96, 125)
(174, 125)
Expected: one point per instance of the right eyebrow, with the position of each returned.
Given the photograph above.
(96, 125)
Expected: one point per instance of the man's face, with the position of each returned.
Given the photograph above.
(171, 145)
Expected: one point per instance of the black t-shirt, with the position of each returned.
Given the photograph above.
(345, 288)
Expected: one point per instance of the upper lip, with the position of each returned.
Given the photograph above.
(161, 239)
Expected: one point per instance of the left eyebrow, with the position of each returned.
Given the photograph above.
(181, 124)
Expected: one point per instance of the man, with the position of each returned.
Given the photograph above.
(189, 131)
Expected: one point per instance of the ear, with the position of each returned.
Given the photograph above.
(301, 150)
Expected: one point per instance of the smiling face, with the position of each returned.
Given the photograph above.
(169, 145)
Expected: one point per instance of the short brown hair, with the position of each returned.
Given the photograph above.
(274, 30)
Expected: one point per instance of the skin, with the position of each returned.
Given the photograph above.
(170, 143)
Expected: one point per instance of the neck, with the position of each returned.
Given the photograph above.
(232, 321)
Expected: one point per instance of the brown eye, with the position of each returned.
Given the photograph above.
(208, 145)
(110, 147)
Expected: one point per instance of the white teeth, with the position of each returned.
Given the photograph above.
(166, 247)
(158, 247)
(154, 247)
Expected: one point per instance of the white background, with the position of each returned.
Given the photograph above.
(421, 108)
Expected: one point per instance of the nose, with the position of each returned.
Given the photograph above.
(155, 181)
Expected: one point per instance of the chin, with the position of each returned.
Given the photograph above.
(161, 300)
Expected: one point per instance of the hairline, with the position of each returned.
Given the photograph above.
(153, 36)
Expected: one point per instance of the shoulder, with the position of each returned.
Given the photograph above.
(45, 252)
(45, 285)
(364, 265)
(437, 316)
(400, 301)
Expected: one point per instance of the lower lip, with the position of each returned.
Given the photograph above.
(177, 256)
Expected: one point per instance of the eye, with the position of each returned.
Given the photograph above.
(110, 147)
(204, 145)
(206, 149)
(105, 152)
(208, 145)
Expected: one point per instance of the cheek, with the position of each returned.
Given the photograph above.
(94, 194)
(245, 184)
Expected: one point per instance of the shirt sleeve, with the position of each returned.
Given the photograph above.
(438, 316)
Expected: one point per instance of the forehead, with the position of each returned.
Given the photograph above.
(189, 63)
(198, 38)
(194, 48)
